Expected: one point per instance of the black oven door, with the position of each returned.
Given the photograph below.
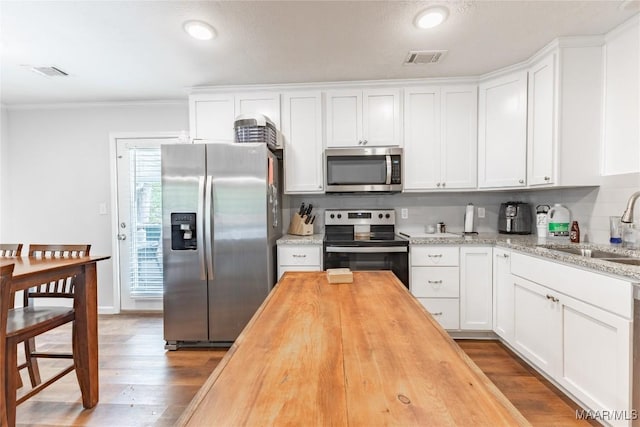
(394, 258)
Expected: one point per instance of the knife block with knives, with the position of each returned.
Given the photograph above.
(302, 222)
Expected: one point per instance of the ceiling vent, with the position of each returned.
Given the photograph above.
(420, 57)
(49, 71)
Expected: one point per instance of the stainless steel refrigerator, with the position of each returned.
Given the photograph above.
(221, 219)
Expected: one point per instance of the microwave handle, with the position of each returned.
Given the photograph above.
(388, 170)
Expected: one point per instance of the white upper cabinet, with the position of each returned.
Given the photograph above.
(363, 118)
(502, 131)
(302, 135)
(422, 138)
(440, 137)
(211, 117)
(541, 126)
(267, 103)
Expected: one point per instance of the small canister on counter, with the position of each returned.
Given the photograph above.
(441, 227)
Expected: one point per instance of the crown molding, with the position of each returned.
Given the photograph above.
(106, 104)
(626, 25)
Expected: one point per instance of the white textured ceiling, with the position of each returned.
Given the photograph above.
(137, 50)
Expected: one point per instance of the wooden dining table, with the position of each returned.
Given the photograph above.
(363, 354)
(31, 271)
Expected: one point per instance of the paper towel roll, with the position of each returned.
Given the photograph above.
(468, 219)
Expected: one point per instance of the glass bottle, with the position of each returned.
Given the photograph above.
(574, 234)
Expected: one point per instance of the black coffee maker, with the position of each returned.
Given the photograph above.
(514, 218)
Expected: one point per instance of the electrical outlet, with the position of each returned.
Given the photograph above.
(481, 213)
(404, 213)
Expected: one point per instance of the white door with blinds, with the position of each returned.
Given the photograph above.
(140, 222)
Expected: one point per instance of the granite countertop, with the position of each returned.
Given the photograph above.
(544, 248)
(290, 239)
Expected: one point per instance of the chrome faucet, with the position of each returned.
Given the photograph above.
(627, 216)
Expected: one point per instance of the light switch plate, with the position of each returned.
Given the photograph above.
(404, 213)
(481, 213)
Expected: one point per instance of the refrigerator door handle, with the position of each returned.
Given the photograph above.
(199, 235)
(208, 225)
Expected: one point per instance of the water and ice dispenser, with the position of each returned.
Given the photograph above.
(183, 231)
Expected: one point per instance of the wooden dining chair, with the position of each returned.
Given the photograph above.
(5, 305)
(50, 317)
(10, 249)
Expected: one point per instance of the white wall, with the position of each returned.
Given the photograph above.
(59, 173)
(4, 142)
(622, 99)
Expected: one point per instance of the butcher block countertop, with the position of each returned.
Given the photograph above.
(362, 354)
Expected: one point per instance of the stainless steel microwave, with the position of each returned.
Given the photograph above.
(371, 169)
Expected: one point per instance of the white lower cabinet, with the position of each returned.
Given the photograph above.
(444, 310)
(502, 294)
(299, 258)
(435, 282)
(476, 297)
(576, 327)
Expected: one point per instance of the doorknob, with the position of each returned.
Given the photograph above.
(122, 237)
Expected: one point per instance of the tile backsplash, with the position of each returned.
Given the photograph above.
(590, 206)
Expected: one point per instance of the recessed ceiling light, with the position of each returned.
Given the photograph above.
(431, 17)
(199, 30)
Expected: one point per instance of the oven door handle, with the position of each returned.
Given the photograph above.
(365, 249)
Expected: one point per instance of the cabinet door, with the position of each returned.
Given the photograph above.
(344, 118)
(502, 294)
(596, 362)
(302, 135)
(421, 139)
(459, 137)
(211, 117)
(266, 103)
(536, 325)
(476, 300)
(542, 122)
(502, 131)
(381, 117)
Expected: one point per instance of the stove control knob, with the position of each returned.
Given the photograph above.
(380, 216)
(332, 216)
(387, 216)
(339, 216)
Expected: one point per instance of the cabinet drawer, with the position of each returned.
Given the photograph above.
(435, 256)
(299, 255)
(435, 282)
(444, 310)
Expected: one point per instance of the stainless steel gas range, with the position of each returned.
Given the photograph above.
(365, 240)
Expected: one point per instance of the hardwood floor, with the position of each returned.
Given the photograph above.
(141, 384)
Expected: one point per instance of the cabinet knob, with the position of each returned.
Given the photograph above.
(359, 142)
(438, 184)
(547, 178)
(443, 184)
(365, 142)
(502, 255)
(521, 181)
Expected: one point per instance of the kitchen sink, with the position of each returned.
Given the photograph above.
(589, 253)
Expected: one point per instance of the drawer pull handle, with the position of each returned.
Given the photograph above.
(434, 282)
(437, 314)
(552, 298)
(502, 255)
(435, 256)
(299, 256)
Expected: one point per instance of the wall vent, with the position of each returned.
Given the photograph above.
(49, 71)
(420, 57)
